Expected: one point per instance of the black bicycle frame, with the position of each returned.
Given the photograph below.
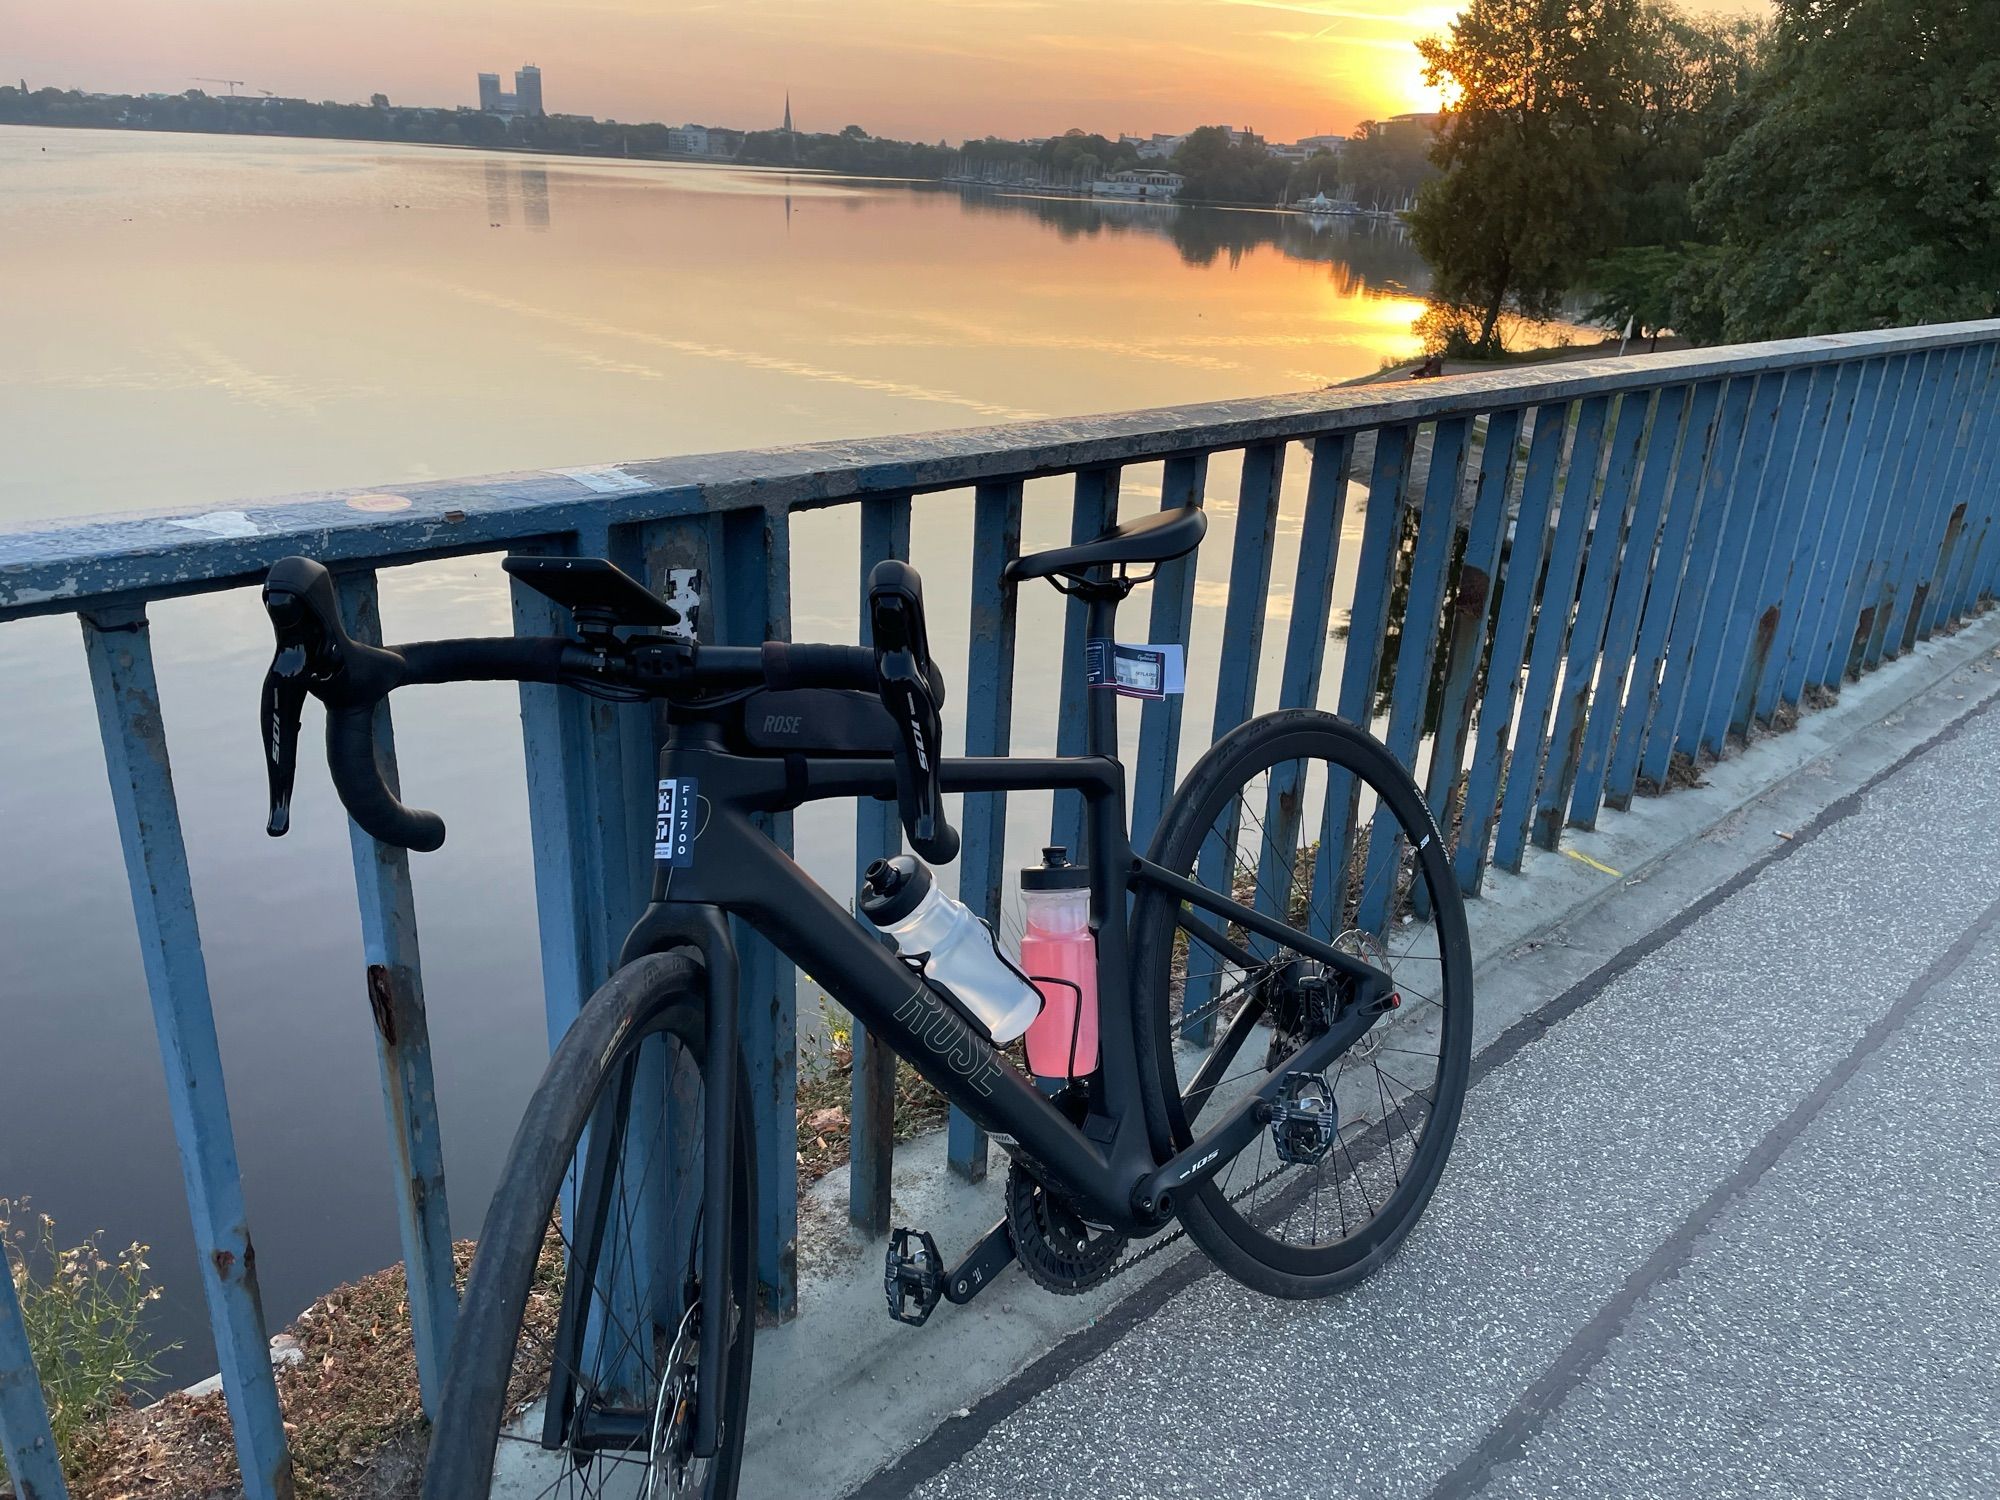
(1108, 1163)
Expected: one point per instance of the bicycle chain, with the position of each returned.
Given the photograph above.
(1165, 1240)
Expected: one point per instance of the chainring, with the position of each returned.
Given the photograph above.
(1056, 1248)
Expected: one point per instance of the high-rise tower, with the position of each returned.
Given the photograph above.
(528, 90)
(489, 93)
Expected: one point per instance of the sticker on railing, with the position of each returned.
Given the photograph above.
(1134, 671)
(606, 479)
(219, 523)
(673, 828)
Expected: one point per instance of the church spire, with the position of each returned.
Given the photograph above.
(788, 112)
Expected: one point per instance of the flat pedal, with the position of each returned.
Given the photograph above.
(912, 1276)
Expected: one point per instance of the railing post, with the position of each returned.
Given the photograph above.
(1941, 566)
(878, 834)
(1984, 498)
(1775, 415)
(395, 985)
(1749, 405)
(590, 774)
(119, 648)
(1471, 607)
(1236, 668)
(1552, 620)
(1381, 529)
(1638, 571)
(1510, 645)
(1844, 627)
(1154, 771)
(1605, 546)
(1803, 516)
(1416, 651)
(1930, 493)
(989, 727)
(33, 1465)
(1673, 570)
(751, 584)
(1093, 512)
(1903, 478)
(1861, 390)
(1305, 644)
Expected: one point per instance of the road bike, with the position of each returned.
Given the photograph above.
(1283, 982)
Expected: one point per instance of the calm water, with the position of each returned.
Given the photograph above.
(194, 320)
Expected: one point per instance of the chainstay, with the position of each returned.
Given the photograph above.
(1156, 1246)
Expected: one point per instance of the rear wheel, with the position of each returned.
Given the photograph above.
(1307, 819)
(574, 1371)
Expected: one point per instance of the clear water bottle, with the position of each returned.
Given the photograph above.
(900, 897)
(1059, 954)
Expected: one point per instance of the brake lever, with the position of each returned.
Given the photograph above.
(289, 599)
(283, 707)
(909, 691)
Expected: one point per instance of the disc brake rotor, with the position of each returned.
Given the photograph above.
(670, 1468)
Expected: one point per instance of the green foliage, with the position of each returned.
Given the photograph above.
(85, 1316)
(852, 151)
(1861, 190)
(1219, 170)
(1635, 285)
(1388, 162)
(1578, 124)
(1075, 155)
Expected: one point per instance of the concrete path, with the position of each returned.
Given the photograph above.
(1723, 1220)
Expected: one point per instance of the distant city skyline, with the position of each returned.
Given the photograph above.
(916, 69)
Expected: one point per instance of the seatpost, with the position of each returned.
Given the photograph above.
(1101, 623)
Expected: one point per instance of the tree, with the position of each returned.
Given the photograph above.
(1861, 191)
(1387, 162)
(1635, 287)
(1528, 148)
(1219, 169)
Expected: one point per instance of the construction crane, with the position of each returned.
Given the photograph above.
(234, 83)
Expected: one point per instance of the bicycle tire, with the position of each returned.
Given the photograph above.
(657, 996)
(1238, 1245)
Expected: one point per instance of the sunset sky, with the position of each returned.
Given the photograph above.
(921, 69)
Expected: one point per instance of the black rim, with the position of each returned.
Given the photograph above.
(1303, 826)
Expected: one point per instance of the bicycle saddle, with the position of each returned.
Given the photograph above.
(1157, 538)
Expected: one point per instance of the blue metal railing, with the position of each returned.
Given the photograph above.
(1567, 577)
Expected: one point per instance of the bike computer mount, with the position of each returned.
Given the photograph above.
(604, 598)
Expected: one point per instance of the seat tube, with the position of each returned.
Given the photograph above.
(1101, 704)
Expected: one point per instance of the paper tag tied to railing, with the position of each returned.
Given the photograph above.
(1134, 671)
(674, 827)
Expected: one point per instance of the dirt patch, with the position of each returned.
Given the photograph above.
(352, 1414)
(825, 1126)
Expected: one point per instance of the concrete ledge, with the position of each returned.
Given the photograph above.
(842, 1390)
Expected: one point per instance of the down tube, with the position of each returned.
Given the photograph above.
(818, 935)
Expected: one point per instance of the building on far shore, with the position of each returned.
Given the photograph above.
(1153, 186)
(691, 139)
(528, 90)
(526, 99)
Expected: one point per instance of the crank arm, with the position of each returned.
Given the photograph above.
(984, 1261)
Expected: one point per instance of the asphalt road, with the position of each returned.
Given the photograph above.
(1724, 1220)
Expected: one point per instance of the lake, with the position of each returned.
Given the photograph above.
(191, 321)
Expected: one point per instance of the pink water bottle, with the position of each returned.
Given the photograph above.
(1060, 956)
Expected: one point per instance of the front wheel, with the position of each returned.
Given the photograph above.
(574, 1371)
(1304, 818)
